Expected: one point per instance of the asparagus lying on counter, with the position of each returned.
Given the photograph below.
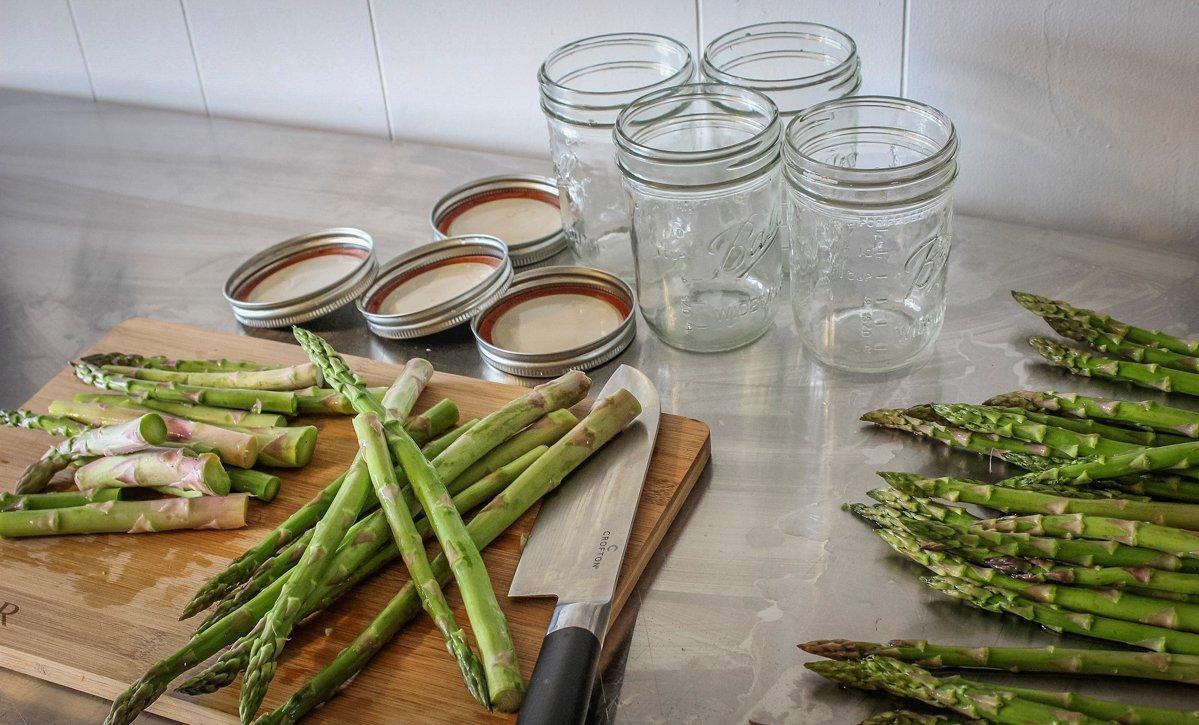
(1137, 414)
(1092, 366)
(293, 377)
(143, 432)
(204, 512)
(190, 411)
(256, 401)
(159, 362)
(1116, 330)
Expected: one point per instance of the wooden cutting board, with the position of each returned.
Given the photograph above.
(93, 612)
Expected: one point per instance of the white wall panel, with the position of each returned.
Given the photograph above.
(138, 52)
(39, 50)
(465, 73)
(875, 25)
(305, 62)
(1078, 116)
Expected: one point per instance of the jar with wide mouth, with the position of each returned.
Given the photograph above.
(794, 64)
(870, 213)
(584, 87)
(701, 167)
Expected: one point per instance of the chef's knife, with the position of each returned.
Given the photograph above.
(574, 553)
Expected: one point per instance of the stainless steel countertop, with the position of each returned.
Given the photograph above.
(110, 212)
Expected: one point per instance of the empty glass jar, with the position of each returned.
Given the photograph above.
(868, 181)
(584, 86)
(796, 65)
(701, 166)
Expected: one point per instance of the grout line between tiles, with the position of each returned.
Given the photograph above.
(91, 86)
(370, 11)
(191, 43)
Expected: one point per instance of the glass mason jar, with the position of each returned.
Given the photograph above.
(869, 213)
(584, 86)
(796, 65)
(701, 165)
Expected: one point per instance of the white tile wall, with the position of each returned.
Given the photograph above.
(1082, 116)
(138, 51)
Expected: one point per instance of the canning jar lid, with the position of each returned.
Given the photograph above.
(436, 286)
(523, 210)
(302, 278)
(555, 319)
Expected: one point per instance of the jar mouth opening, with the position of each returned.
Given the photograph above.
(795, 42)
(732, 120)
(672, 61)
(925, 133)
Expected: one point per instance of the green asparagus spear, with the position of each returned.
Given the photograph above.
(908, 717)
(1177, 457)
(144, 432)
(1103, 602)
(1092, 366)
(293, 377)
(292, 528)
(954, 437)
(256, 401)
(1180, 542)
(606, 419)
(324, 401)
(972, 700)
(307, 577)
(259, 484)
(159, 362)
(1139, 436)
(198, 413)
(1110, 663)
(1068, 443)
(54, 425)
(142, 693)
(1014, 500)
(490, 626)
(1142, 413)
(286, 447)
(205, 512)
(1122, 348)
(434, 447)
(55, 499)
(369, 428)
(544, 431)
(1052, 309)
(923, 507)
(1147, 636)
(201, 472)
(402, 395)
(433, 422)
(1104, 710)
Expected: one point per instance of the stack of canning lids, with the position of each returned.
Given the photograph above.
(520, 209)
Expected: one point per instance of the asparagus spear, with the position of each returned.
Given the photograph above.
(55, 499)
(198, 413)
(54, 425)
(1104, 710)
(205, 512)
(434, 447)
(1179, 542)
(544, 431)
(307, 576)
(323, 401)
(996, 600)
(1136, 461)
(144, 432)
(285, 447)
(158, 362)
(923, 507)
(293, 377)
(1092, 366)
(970, 699)
(433, 422)
(349, 558)
(1129, 579)
(1071, 444)
(1052, 309)
(259, 484)
(490, 626)
(294, 526)
(907, 717)
(201, 472)
(1143, 413)
(1014, 500)
(402, 395)
(1107, 602)
(609, 416)
(1113, 663)
(369, 428)
(954, 437)
(255, 401)
(349, 571)
(1137, 353)
(1139, 436)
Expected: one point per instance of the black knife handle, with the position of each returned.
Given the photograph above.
(560, 689)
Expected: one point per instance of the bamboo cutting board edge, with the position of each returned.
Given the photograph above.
(685, 467)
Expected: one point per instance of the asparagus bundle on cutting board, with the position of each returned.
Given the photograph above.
(143, 432)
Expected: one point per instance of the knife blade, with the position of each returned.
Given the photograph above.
(574, 553)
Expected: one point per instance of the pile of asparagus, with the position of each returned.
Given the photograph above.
(392, 497)
(1149, 358)
(1100, 539)
(192, 430)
